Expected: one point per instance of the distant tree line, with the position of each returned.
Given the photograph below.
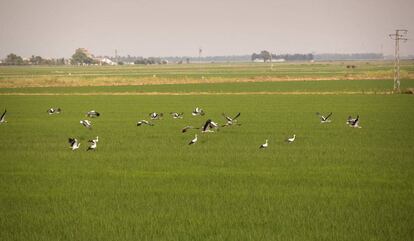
(37, 60)
(151, 60)
(83, 57)
(294, 57)
(266, 56)
(363, 56)
(13, 59)
(208, 59)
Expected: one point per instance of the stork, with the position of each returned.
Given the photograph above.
(354, 122)
(52, 111)
(74, 144)
(177, 115)
(93, 144)
(198, 111)
(144, 122)
(324, 119)
(93, 114)
(209, 126)
(86, 123)
(155, 115)
(193, 141)
(3, 117)
(231, 121)
(291, 139)
(265, 145)
(350, 120)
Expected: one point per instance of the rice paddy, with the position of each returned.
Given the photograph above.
(146, 183)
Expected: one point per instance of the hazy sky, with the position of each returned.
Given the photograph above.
(55, 28)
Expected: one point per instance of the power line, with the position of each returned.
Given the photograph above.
(400, 34)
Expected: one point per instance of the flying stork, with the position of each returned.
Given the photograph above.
(86, 123)
(353, 122)
(350, 120)
(177, 115)
(3, 117)
(74, 144)
(209, 126)
(324, 119)
(93, 144)
(144, 122)
(198, 111)
(93, 114)
(155, 115)
(52, 111)
(231, 121)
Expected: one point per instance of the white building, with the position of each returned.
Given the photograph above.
(107, 61)
(258, 60)
(278, 60)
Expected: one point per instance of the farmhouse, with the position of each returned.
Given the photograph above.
(103, 61)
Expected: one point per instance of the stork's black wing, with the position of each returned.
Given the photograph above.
(4, 113)
(206, 125)
(71, 141)
(357, 119)
(328, 116)
(186, 128)
(238, 114)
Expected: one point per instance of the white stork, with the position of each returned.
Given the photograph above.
(93, 144)
(86, 123)
(353, 122)
(265, 145)
(324, 119)
(176, 115)
(52, 111)
(93, 114)
(291, 139)
(144, 122)
(74, 144)
(155, 115)
(3, 117)
(193, 141)
(198, 111)
(231, 121)
(209, 126)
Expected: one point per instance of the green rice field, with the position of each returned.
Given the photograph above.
(334, 183)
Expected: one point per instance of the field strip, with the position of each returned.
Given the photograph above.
(74, 81)
(206, 93)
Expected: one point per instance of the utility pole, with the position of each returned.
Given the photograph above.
(200, 51)
(400, 34)
(271, 62)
